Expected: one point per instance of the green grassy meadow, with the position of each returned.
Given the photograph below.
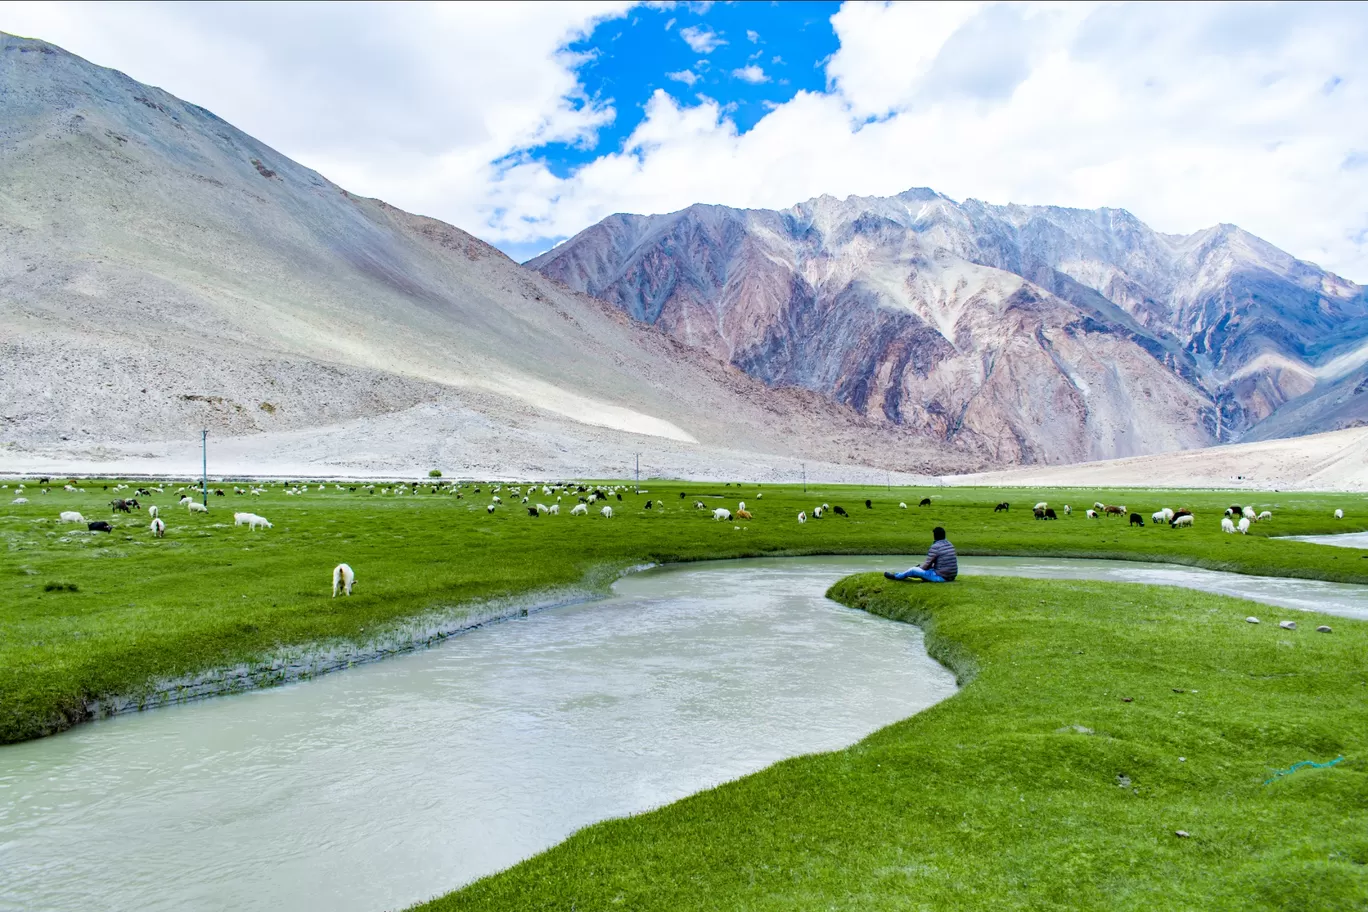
(210, 595)
(1095, 723)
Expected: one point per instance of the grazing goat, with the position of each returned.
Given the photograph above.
(902, 506)
(1099, 507)
(71, 516)
(1168, 514)
(1339, 514)
(1244, 525)
(497, 499)
(1136, 519)
(1180, 522)
(1068, 510)
(158, 528)
(120, 506)
(1227, 526)
(925, 502)
(1040, 506)
(1182, 511)
(19, 500)
(343, 578)
(197, 507)
(741, 505)
(721, 513)
(1159, 517)
(817, 512)
(99, 526)
(1111, 510)
(532, 511)
(802, 517)
(1092, 514)
(186, 499)
(743, 514)
(1249, 514)
(152, 511)
(1265, 516)
(650, 502)
(1038, 512)
(840, 511)
(1004, 506)
(579, 510)
(607, 512)
(543, 508)
(1050, 513)
(699, 505)
(869, 504)
(554, 509)
(489, 509)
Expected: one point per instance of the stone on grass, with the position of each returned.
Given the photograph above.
(1183, 833)
(1251, 620)
(1322, 629)
(1288, 625)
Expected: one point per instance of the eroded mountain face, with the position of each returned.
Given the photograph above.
(1040, 334)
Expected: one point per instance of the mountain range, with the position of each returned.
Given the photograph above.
(163, 272)
(1032, 334)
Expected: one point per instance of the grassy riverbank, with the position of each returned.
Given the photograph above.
(87, 615)
(1096, 722)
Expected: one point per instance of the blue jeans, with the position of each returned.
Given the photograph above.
(928, 576)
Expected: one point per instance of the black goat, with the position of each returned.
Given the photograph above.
(1137, 520)
(869, 505)
(840, 511)
(1002, 507)
(925, 502)
(99, 526)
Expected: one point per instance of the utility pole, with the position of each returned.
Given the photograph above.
(638, 473)
(805, 478)
(204, 476)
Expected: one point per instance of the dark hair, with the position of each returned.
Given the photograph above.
(938, 533)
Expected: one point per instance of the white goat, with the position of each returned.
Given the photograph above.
(802, 517)
(579, 510)
(721, 513)
(1159, 517)
(152, 511)
(1067, 509)
(158, 528)
(1249, 514)
(741, 505)
(185, 500)
(197, 507)
(554, 509)
(1182, 521)
(343, 578)
(698, 505)
(1168, 514)
(1040, 506)
(902, 506)
(1339, 514)
(489, 509)
(1227, 526)
(1092, 514)
(71, 516)
(1244, 525)
(607, 512)
(1265, 516)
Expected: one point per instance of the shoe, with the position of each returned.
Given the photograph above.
(888, 575)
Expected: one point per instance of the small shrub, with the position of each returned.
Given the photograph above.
(435, 473)
(61, 587)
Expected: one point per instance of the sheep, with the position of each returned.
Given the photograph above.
(99, 526)
(1227, 526)
(1249, 514)
(579, 510)
(1158, 517)
(1136, 519)
(152, 511)
(1244, 525)
(1002, 507)
(158, 528)
(1339, 514)
(1180, 522)
(743, 514)
(802, 517)
(1040, 506)
(343, 578)
(721, 513)
(489, 509)
(925, 502)
(198, 508)
(607, 512)
(902, 506)
(71, 516)
(1265, 516)
(1092, 514)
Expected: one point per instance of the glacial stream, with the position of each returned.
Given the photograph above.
(386, 784)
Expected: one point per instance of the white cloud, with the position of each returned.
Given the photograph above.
(702, 39)
(1188, 116)
(752, 74)
(688, 77)
(752, 36)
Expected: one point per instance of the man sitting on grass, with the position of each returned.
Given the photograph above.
(940, 566)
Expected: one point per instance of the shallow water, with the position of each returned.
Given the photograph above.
(1339, 539)
(388, 783)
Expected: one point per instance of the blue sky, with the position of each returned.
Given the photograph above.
(748, 56)
(526, 122)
